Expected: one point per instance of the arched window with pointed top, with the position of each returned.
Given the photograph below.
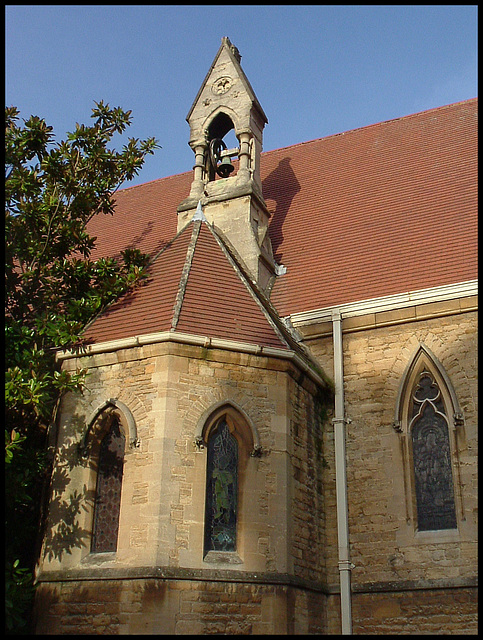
(111, 431)
(230, 439)
(427, 413)
(221, 490)
(107, 506)
(433, 477)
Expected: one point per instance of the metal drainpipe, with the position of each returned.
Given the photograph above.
(340, 421)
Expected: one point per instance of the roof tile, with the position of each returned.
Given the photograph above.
(195, 286)
(376, 211)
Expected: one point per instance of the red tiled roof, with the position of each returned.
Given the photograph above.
(195, 287)
(145, 217)
(382, 210)
(376, 211)
(149, 308)
(218, 302)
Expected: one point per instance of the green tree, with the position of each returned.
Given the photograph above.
(52, 289)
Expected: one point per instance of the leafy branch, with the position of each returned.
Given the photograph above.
(52, 290)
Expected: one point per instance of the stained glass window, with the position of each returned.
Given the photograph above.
(108, 490)
(221, 490)
(431, 457)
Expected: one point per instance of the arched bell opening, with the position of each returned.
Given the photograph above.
(220, 126)
(223, 145)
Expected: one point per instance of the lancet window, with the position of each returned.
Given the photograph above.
(108, 490)
(427, 417)
(221, 490)
(433, 477)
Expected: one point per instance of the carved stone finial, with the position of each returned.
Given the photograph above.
(226, 40)
(199, 215)
(235, 52)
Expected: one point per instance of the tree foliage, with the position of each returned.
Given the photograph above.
(52, 290)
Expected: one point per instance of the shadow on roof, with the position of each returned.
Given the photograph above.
(282, 186)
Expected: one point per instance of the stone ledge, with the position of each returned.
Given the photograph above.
(380, 320)
(415, 585)
(224, 557)
(222, 194)
(178, 574)
(246, 577)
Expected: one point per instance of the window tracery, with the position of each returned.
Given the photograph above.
(427, 416)
(431, 449)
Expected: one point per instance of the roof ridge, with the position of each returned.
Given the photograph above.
(168, 244)
(143, 184)
(249, 283)
(185, 272)
(131, 290)
(267, 308)
(369, 126)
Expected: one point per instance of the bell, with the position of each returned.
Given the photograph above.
(225, 167)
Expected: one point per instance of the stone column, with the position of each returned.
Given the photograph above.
(198, 183)
(244, 169)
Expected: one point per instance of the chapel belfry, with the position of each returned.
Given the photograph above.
(230, 193)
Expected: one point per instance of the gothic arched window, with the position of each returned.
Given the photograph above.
(433, 478)
(108, 490)
(221, 490)
(427, 414)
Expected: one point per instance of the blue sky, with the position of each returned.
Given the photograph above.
(317, 70)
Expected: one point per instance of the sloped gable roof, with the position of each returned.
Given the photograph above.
(195, 286)
(372, 212)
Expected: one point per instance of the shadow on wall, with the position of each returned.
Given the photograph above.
(282, 186)
(63, 532)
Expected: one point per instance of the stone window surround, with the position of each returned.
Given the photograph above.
(423, 357)
(98, 425)
(246, 435)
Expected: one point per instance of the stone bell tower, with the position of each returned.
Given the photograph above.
(230, 194)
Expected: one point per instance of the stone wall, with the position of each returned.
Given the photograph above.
(182, 607)
(172, 390)
(126, 607)
(285, 579)
(386, 547)
(308, 420)
(427, 612)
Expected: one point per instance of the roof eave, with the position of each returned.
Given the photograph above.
(200, 341)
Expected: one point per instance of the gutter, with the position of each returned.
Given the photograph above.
(389, 303)
(339, 421)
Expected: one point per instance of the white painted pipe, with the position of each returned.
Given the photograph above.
(339, 421)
